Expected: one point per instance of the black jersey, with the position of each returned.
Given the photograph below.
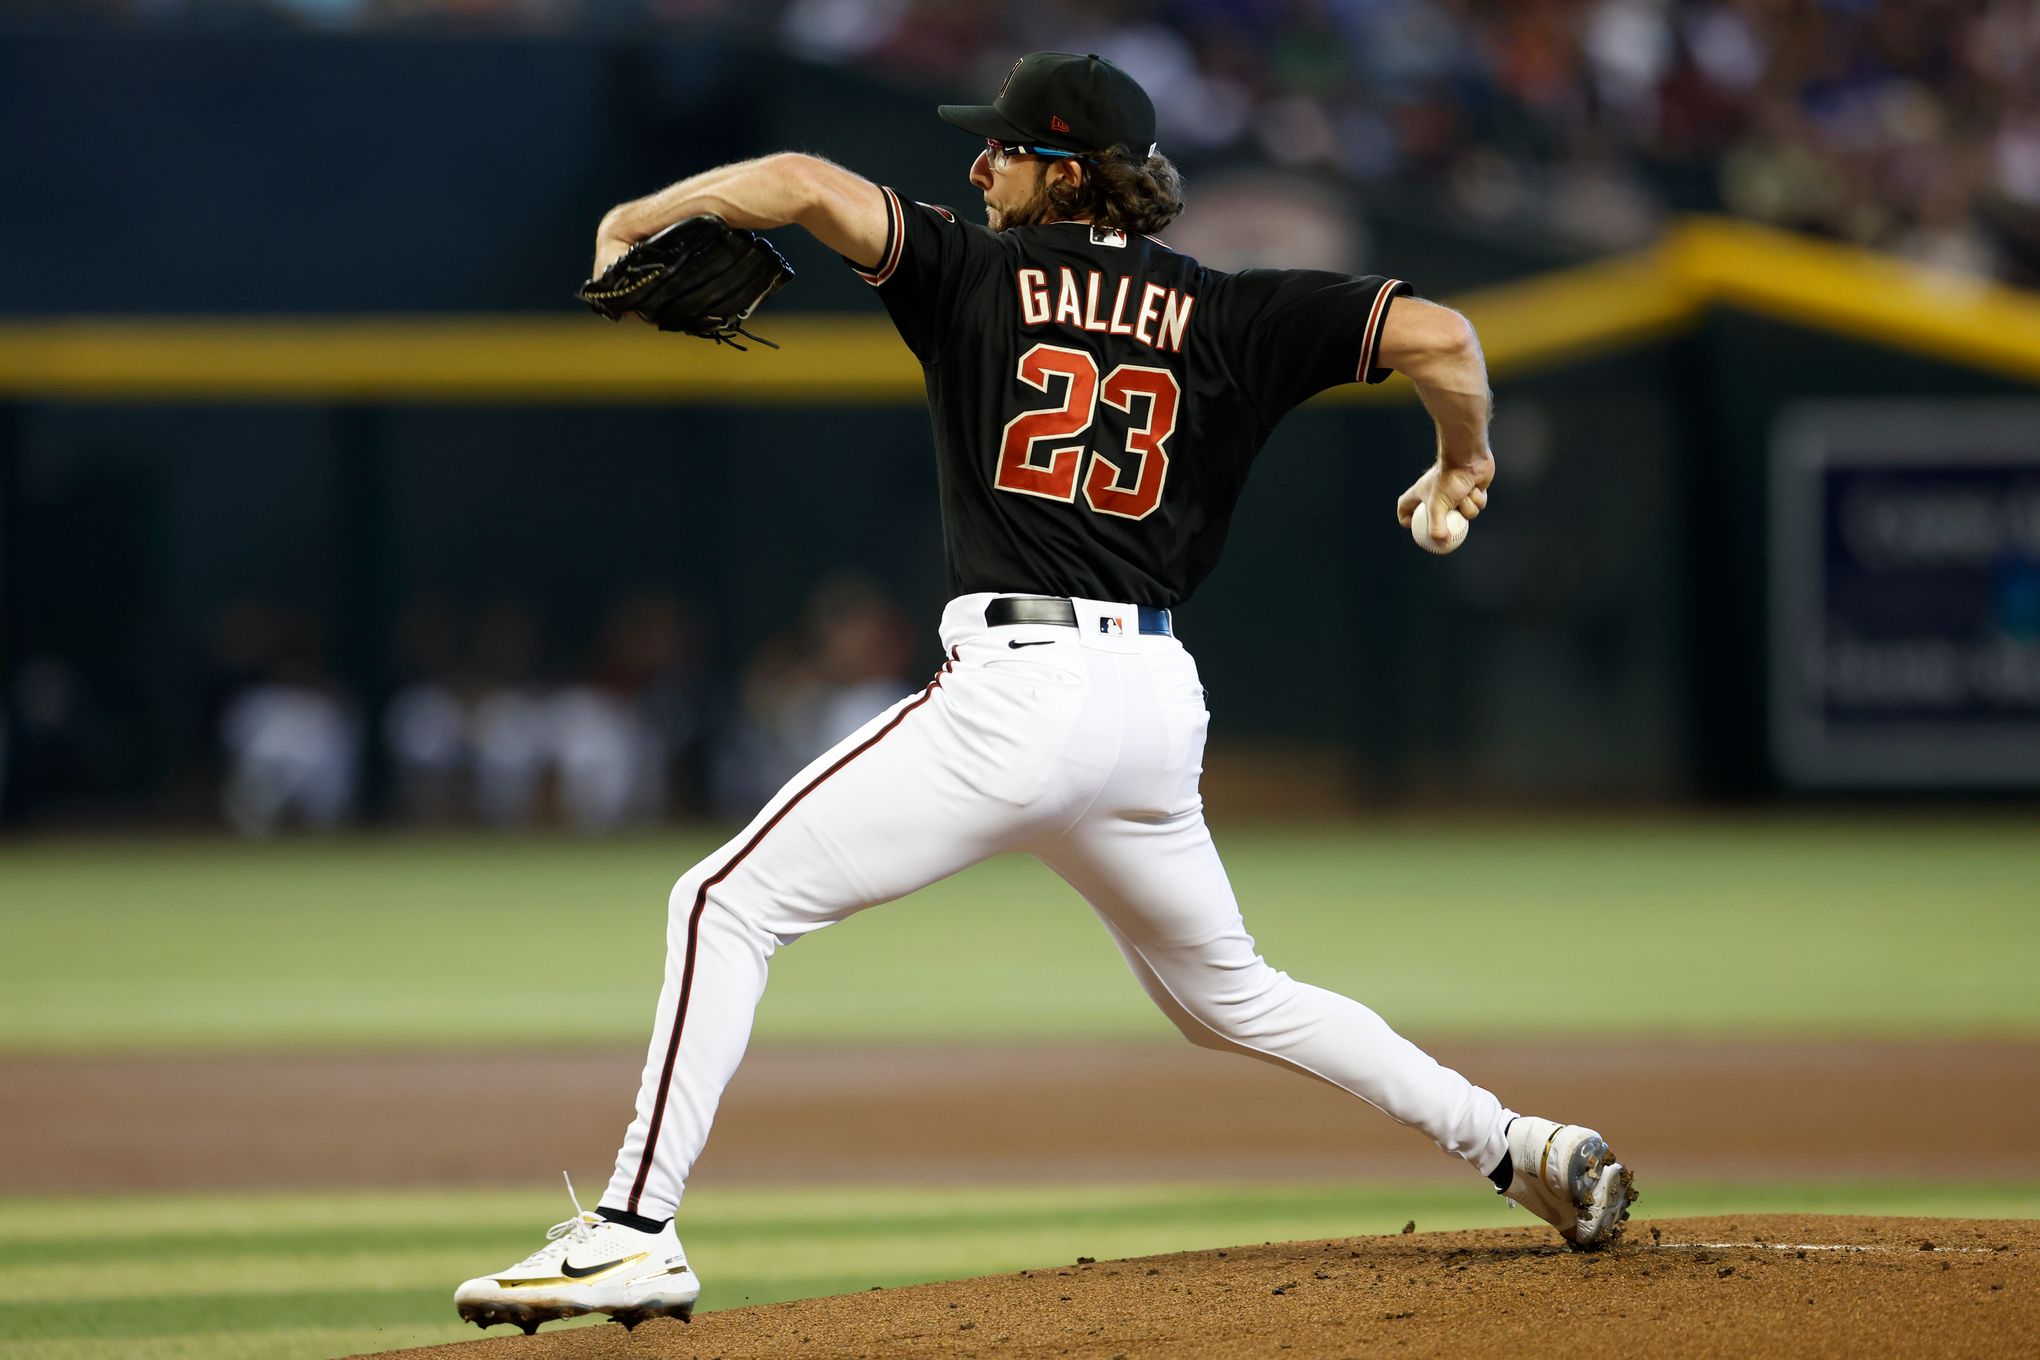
(1098, 398)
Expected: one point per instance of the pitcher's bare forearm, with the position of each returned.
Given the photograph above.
(1437, 349)
(844, 211)
(1460, 405)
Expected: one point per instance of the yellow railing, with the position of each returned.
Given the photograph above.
(1535, 323)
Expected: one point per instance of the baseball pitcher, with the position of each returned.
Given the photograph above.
(1098, 400)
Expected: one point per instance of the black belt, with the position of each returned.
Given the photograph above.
(1060, 613)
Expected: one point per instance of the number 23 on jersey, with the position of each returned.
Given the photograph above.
(1042, 453)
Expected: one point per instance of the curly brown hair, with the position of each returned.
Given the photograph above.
(1134, 194)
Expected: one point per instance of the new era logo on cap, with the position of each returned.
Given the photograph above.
(1056, 124)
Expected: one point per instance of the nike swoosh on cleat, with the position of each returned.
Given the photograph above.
(1045, 642)
(574, 1272)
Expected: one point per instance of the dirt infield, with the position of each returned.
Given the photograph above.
(1746, 1285)
(1776, 1111)
(1755, 1286)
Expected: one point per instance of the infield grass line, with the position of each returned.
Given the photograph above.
(957, 1213)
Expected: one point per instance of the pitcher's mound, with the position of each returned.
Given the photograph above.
(1746, 1285)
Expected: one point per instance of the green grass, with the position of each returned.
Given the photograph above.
(1875, 925)
(300, 1276)
(1879, 924)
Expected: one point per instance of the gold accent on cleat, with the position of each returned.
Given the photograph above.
(556, 1280)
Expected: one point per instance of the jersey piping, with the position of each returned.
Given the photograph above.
(1371, 345)
(895, 243)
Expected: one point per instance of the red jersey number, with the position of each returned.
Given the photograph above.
(1123, 386)
(1055, 478)
(1053, 474)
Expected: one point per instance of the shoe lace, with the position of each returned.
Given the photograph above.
(576, 1229)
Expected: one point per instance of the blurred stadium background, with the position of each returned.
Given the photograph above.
(327, 520)
(322, 507)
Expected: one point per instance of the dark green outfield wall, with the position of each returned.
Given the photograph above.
(1545, 657)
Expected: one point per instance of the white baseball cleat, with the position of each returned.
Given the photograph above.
(1566, 1176)
(588, 1265)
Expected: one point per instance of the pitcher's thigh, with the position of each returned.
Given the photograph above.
(879, 816)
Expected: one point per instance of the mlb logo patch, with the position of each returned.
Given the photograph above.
(1106, 236)
(1112, 625)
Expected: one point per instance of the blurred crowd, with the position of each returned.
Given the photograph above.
(482, 727)
(1911, 126)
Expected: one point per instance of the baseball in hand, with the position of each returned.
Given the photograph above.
(1420, 529)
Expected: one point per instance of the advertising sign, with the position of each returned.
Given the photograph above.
(1905, 594)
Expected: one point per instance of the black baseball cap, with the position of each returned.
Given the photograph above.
(1062, 100)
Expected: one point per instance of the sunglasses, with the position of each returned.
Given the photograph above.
(999, 151)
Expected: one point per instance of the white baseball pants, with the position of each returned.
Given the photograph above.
(1082, 746)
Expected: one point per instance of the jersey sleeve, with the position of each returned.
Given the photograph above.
(1297, 332)
(931, 262)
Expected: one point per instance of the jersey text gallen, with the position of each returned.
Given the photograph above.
(1158, 319)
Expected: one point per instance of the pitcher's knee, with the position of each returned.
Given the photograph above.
(700, 904)
(681, 901)
(694, 897)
